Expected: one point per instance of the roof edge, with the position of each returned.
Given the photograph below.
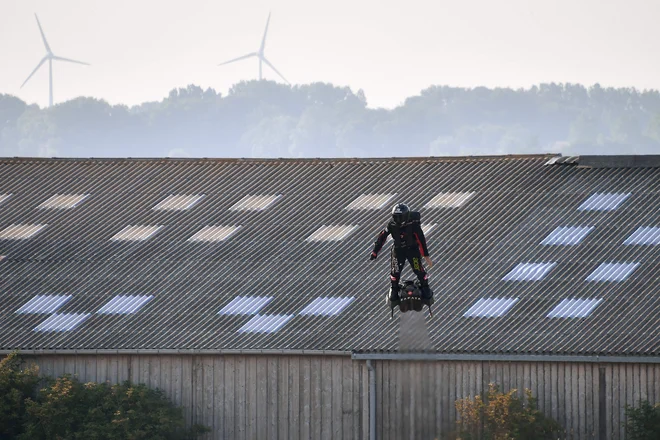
(505, 357)
(540, 156)
(120, 351)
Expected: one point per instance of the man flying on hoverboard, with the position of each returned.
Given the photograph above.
(409, 244)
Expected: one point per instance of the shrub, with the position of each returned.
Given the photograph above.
(70, 409)
(503, 416)
(643, 422)
(65, 408)
(16, 384)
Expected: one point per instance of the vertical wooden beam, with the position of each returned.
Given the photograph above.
(347, 398)
(326, 398)
(602, 403)
(295, 392)
(256, 397)
(218, 396)
(229, 427)
(284, 399)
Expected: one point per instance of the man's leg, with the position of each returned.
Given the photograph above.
(415, 260)
(396, 265)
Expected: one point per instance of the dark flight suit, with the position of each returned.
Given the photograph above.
(409, 244)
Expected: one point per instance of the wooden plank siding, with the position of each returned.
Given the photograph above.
(327, 397)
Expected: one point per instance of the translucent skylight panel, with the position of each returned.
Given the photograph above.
(20, 232)
(245, 305)
(644, 235)
(603, 202)
(255, 203)
(44, 304)
(63, 201)
(123, 304)
(529, 272)
(370, 201)
(178, 202)
(63, 322)
(214, 233)
(567, 235)
(331, 233)
(612, 272)
(490, 307)
(136, 233)
(449, 200)
(326, 306)
(265, 323)
(4, 197)
(574, 308)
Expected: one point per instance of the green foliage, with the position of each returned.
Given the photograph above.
(643, 422)
(65, 408)
(503, 416)
(268, 119)
(17, 383)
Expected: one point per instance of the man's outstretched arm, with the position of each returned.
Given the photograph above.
(380, 241)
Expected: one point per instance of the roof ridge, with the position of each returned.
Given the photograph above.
(485, 158)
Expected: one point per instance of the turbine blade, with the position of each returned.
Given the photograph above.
(273, 67)
(263, 40)
(43, 37)
(43, 60)
(68, 60)
(239, 58)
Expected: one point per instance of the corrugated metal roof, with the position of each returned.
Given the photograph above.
(516, 203)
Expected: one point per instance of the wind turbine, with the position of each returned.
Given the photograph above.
(50, 56)
(259, 55)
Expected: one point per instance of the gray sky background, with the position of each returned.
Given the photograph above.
(141, 49)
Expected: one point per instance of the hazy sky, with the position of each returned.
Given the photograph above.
(141, 49)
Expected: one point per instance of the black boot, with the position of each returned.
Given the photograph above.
(394, 292)
(427, 293)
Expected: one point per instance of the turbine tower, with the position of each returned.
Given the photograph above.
(50, 56)
(259, 55)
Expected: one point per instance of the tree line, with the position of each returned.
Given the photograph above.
(268, 119)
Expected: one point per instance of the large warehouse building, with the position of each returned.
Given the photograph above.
(244, 289)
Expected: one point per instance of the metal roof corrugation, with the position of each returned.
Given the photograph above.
(517, 202)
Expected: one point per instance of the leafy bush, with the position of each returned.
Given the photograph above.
(70, 409)
(16, 385)
(643, 422)
(503, 416)
(65, 408)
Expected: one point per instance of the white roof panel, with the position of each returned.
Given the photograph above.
(331, 233)
(529, 272)
(64, 322)
(214, 233)
(20, 232)
(449, 200)
(370, 201)
(123, 304)
(255, 202)
(326, 306)
(567, 235)
(136, 233)
(4, 197)
(245, 305)
(574, 308)
(178, 202)
(612, 272)
(603, 202)
(490, 307)
(645, 235)
(265, 323)
(44, 304)
(63, 201)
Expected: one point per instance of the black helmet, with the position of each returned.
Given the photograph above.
(400, 213)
